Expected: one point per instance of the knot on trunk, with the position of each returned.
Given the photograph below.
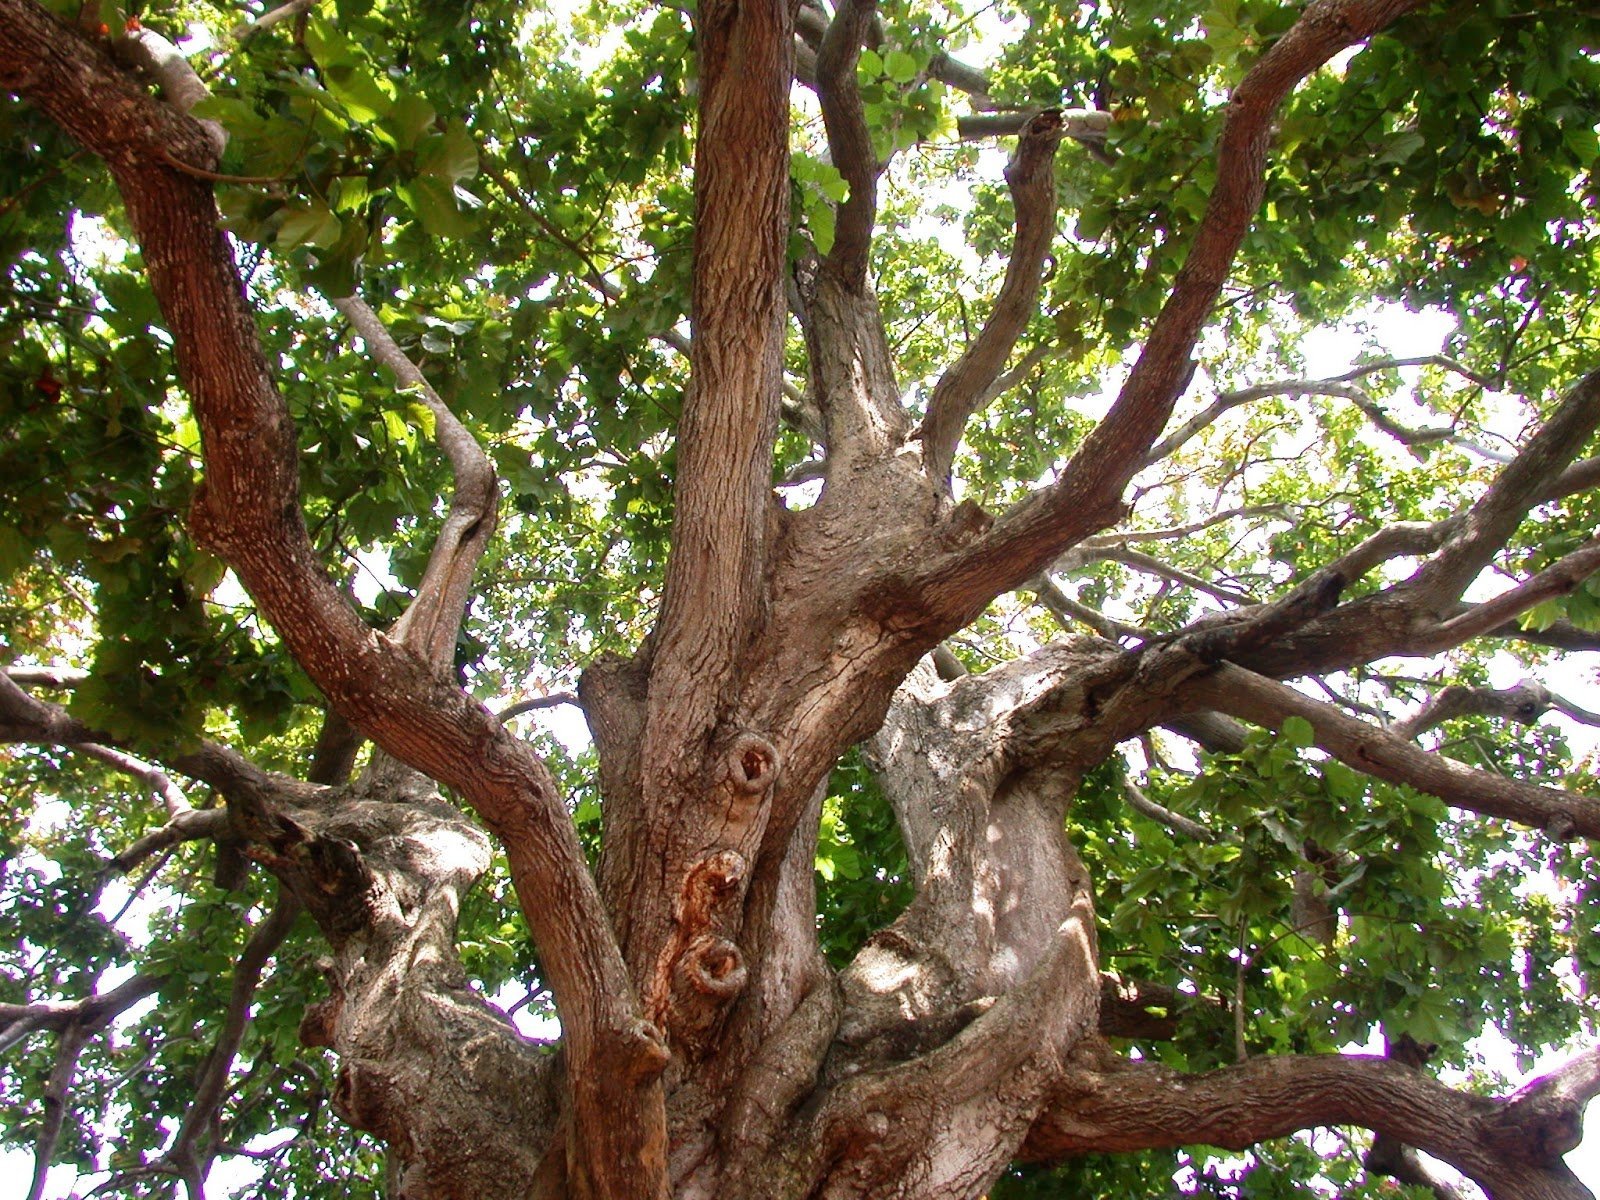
(752, 765)
(711, 883)
(706, 977)
(713, 966)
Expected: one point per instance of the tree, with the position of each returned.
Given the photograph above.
(1184, 714)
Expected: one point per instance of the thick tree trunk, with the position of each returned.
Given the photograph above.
(707, 1049)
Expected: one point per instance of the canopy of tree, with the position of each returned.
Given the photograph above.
(1041, 723)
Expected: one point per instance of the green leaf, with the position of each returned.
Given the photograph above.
(434, 204)
(313, 226)
(900, 66)
(450, 156)
(1297, 732)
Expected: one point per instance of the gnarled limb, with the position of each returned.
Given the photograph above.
(247, 509)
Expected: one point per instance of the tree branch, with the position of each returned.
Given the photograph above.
(1560, 578)
(1523, 703)
(25, 718)
(1381, 754)
(1141, 803)
(196, 1143)
(849, 141)
(432, 621)
(1118, 1106)
(961, 389)
(1521, 484)
(1086, 125)
(247, 509)
(268, 19)
(1087, 496)
(19, 1020)
(1340, 387)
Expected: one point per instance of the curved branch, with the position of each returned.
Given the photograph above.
(19, 1020)
(1512, 1146)
(25, 718)
(247, 509)
(1161, 815)
(1088, 495)
(1381, 754)
(267, 20)
(432, 621)
(1068, 610)
(849, 140)
(961, 389)
(1524, 703)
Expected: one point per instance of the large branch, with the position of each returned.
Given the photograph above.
(961, 389)
(247, 509)
(1088, 494)
(431, 622)
(1512, 1146)
(1381, 754)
